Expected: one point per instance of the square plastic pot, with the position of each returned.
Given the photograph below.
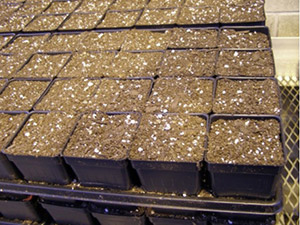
(6, 169)
(117, 214)
(45, 169)
(19, 209)
(254, 181)
(100, 172)
(67, 213)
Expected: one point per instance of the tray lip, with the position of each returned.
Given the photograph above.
(104, 196)
(250, 116)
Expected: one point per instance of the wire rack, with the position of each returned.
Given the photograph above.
(290, 177)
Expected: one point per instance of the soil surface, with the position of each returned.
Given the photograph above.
(188, 63)
(45, 66)
(9, 64)
(69, 95)
(181, 95)
(120, 19)
(175, 138)
(247, 97)
(231, 38)
(59, 7)
(45, 23)
(202, 3)
(22, 95)
(79, 21)
(63, 43)
(93, 41)
(9, 124)
(246, 142)
(121, 95)
(128, 5)
(2, 83)
(201, 15)
(155, 4)
(26, 45)
(4, 40)
(15, 23)
(88, 6)
(87, 64)
(103, 137)
(242, 13)
(43, 135)
(32, 9)
(146, 40)
(128, 64)
(194, 38)
(245, 63)
(158, 17)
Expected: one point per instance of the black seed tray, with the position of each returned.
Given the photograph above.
(169, 177)
(254, 181)
(41, 168)
(117, 215)
(67, 212)
(259, 29)
(101, 172)
(18, 207)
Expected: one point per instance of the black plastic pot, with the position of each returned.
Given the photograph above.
(46, 169)
(100, 172)
(7, 169)
(67, 212)
(170, 177)
(41, 168)
(18, 207)
(167, 177)
(117, 215)
(106, 173)
(256, 181)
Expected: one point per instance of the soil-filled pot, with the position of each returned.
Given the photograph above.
(247, 165)
(18, 207)
(67, 212)
(36, 148)
(100, 172)
(155, 156)
(10, 122)
(118, 215)
(97, 149)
